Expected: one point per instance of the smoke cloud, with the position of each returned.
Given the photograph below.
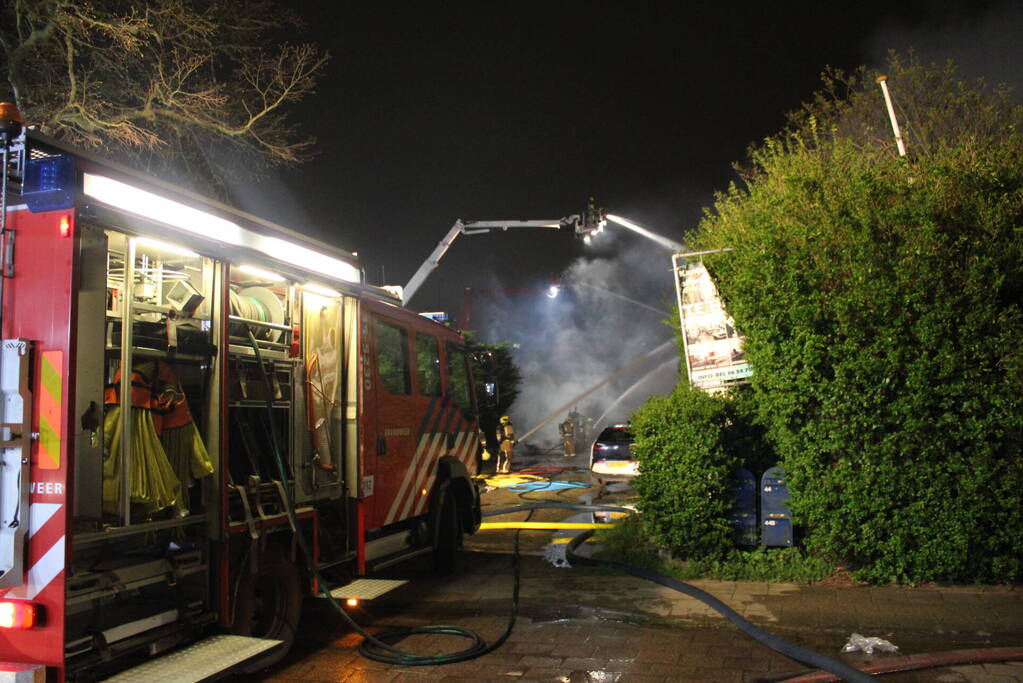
(609, 312)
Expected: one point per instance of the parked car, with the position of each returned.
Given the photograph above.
(611, 453)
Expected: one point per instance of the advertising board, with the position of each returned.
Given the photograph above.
(714, 349)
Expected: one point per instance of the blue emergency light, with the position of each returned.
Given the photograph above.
(49, 183)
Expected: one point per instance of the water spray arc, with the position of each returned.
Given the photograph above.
(614, 375)
(640, 381)
(617, 296)
(660, 239)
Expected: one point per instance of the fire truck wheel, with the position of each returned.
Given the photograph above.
(449, 536)
(269, 605)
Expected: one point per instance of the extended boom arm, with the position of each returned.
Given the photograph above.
(574, 223)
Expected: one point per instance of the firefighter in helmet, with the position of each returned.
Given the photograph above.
(568, 428)
(506, 449)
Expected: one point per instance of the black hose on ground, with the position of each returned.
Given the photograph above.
(370, 650)
(796, 652)
(840, 671)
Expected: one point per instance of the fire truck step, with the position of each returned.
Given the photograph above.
(200, 662)
(366, 589)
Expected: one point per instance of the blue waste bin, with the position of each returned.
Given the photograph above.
(775, 517)
(743, 516)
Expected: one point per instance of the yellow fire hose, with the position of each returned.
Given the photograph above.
(488, 526)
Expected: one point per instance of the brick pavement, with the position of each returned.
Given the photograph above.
(586, 624)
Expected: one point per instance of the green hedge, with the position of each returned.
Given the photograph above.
(688, 445)
(881, 303)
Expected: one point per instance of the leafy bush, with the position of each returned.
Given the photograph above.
(688, 444)
(767, 564)
(881, 298)
(629, 542)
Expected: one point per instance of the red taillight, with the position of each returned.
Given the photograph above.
(65, 226)
(600, 447)
(17, 614)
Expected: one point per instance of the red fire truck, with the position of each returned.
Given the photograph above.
(241, 349)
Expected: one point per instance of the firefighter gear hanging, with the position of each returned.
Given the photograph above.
(167, 451)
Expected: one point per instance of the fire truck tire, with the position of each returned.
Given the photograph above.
(448, 537)
(269, 605)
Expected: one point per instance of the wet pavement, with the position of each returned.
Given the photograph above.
(589, 624)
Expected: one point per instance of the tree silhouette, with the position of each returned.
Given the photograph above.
(162, 84)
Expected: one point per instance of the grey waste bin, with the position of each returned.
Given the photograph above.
(775, 517)
(743, 516)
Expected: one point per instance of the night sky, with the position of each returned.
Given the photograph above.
(429, 112)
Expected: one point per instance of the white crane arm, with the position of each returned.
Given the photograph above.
(476, 228)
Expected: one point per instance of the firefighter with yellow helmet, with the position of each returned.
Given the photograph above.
(568, 429)
(506, 447)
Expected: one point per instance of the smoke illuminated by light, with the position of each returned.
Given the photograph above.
(593, 328)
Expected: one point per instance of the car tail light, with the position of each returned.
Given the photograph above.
(17, 614)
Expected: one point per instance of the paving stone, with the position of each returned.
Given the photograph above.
(587, 663)
(623, 665)
(530, 648)
(499, 659)
(535, 661)
(537, 674)
(368, 677)
(668, 655)
(572, 649)
(656, 669)
(587, 626)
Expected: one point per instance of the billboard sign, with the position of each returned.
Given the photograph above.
(714, 349)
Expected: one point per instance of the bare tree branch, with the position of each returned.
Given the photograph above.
(163, 79)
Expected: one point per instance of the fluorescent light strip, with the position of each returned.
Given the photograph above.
(164, 247)
(316, 288)
(259, 272)
(157, 208)
(309, 259)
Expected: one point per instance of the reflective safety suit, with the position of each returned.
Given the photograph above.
(506, 449)
(568, 436)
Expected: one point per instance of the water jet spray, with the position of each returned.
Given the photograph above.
(660, 239)
(641, 380)
(620, 296)
(614, 375)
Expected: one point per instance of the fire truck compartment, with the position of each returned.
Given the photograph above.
(208, 388)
